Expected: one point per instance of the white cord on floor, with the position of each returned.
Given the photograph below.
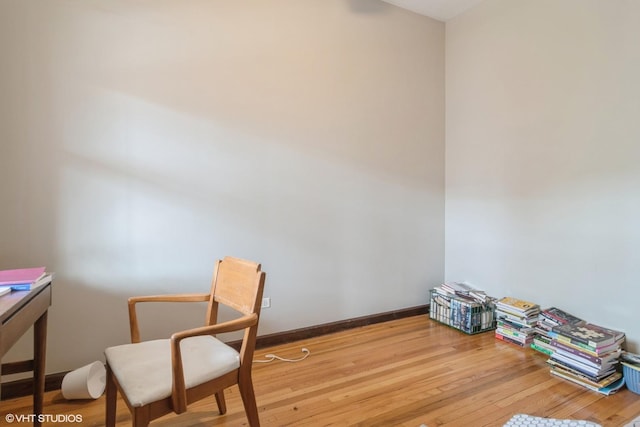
(272, 357)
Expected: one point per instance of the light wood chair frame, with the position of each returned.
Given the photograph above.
(181, 397)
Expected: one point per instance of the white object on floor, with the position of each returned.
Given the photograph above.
(272, 357)
(634, 423)
(521, 420)
(87, 382)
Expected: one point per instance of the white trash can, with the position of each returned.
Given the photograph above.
(87, 382)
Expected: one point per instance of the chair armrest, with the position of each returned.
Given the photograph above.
(219, 328)
(179, 392)
(133, 318)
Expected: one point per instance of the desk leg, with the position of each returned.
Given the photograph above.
(39, 357)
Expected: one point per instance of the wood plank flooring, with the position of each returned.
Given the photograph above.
(405, 372)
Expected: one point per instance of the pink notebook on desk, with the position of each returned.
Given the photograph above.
(21, 276)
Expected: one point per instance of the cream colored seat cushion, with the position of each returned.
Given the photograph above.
(143, 370)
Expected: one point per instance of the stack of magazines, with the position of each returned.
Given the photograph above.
(588, 355)
(516, 321)
(464, 291)
(547, 320)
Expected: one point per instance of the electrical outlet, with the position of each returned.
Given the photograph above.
(266, 302)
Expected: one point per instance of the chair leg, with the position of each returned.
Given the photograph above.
(141, 416)
(222, 405)
(249, 400)
(111, 399)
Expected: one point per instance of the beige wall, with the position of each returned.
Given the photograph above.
(140, 141)
(542, 152)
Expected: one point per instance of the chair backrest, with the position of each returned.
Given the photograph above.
(238, 284)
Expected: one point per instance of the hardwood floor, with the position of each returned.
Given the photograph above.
(404, 372)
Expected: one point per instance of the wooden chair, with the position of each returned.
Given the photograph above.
(162, 376)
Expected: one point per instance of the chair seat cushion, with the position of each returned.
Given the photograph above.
(144, 371)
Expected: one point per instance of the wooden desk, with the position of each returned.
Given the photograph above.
(18, 311)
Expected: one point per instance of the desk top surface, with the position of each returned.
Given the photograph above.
(14, 300)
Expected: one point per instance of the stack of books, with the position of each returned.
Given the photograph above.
(461, 290)
(23, 279)
(456, 288)
(588, 355)
(547, 320)
(516, 321)
(464, 292)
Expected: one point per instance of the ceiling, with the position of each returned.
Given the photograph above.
(442, 10)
